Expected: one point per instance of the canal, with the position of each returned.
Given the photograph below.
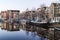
(16, 31)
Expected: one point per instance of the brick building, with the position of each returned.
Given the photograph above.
(10, 15)
(55, 11)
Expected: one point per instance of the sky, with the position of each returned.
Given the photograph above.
(23, 4)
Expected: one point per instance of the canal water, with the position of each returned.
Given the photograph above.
(21, 32)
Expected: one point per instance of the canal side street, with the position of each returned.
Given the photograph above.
(49, 33)
(42, 23)
(49, 27)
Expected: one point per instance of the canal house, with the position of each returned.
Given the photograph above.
(10, 15)
(13, 15)
(55, 11)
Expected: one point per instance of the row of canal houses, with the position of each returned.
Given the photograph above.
(41, 14)
(44, 13)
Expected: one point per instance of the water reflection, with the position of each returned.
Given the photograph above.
(10, 27)
(22, 32)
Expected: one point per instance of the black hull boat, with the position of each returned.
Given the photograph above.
(39, 24)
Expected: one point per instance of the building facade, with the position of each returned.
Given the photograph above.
(10, 15)
(4, 15)
(55, 11)
(13, 14)
(43, 14)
